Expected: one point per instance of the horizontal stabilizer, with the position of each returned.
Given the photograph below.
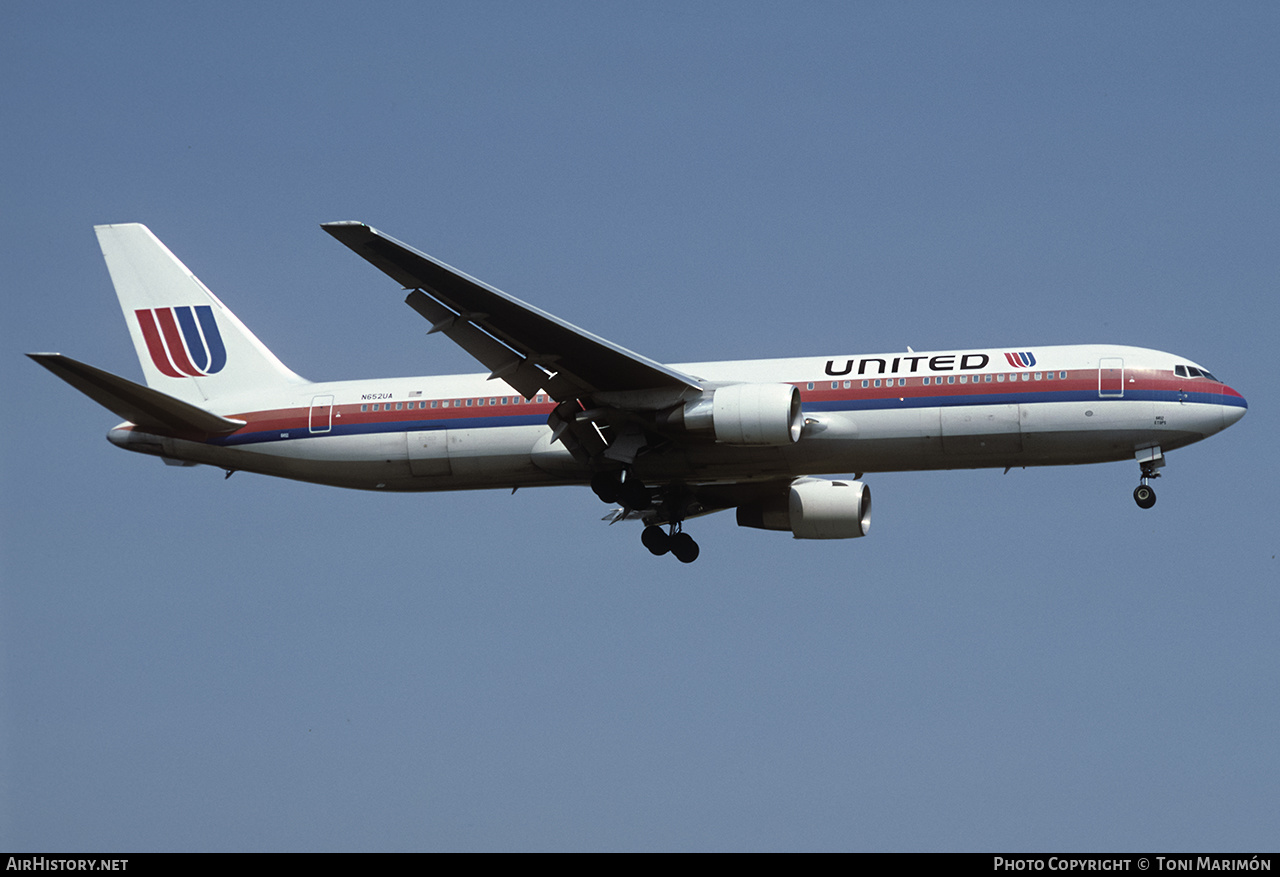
(150, 409)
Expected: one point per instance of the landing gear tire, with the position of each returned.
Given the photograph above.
(606, 486)
(634, 495)
(1144, 496)
(622, 487)
(656, 540)
(684, 548)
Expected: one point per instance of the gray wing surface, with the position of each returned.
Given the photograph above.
(523, 345)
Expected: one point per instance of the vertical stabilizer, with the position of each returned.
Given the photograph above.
(190, 345)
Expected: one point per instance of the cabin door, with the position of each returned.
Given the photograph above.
(1110, 377)
(321, 419)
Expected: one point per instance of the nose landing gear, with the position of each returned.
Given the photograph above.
(1151, 461)
(1144, 496)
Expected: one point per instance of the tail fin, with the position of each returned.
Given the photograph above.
(190, 345)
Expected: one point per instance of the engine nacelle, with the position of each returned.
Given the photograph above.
(747, 414)
(813, 508)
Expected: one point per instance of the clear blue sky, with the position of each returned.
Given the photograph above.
(1008, 662)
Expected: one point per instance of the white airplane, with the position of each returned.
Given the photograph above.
(664, 442)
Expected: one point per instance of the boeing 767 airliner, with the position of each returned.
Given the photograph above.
(664, 443)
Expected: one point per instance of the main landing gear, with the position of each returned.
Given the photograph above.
(678, 542)
(1151, 461)
(621, 486)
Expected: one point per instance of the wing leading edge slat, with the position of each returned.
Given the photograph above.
(527, 347)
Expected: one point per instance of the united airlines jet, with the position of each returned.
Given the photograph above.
(661, 443)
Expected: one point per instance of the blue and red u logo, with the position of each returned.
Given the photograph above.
(1024, 359)
(184, 342)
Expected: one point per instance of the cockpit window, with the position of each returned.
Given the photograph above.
(1190, 371)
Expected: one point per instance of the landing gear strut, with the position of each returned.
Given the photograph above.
(1151, 461)
(678, 542)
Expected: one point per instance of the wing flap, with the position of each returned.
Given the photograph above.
(572, 362)
(150, 409)
(502, 361)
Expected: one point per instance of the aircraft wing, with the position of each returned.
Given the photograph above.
(527, 347)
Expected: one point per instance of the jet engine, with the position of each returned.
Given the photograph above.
(813, 508)
(745, 414)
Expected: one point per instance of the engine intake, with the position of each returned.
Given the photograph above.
(747, 414)
(813, 508)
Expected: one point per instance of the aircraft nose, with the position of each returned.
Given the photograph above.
(1233, 408)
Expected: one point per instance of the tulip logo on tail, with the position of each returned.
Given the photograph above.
(1024, 359)
(184, 342)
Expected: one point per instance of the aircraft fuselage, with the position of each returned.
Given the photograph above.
(887, 412)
